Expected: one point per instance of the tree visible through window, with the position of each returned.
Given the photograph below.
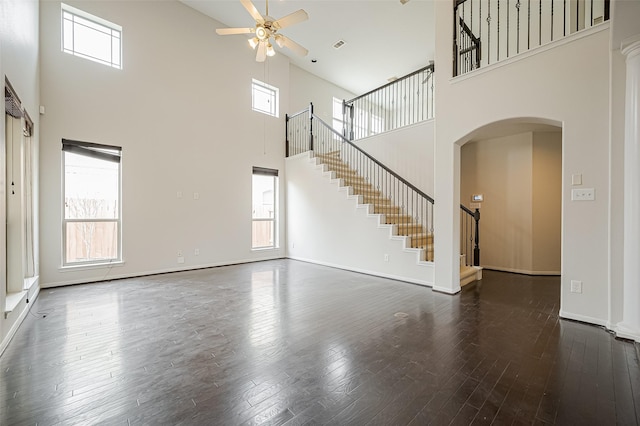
(91, 225)
(264, 208)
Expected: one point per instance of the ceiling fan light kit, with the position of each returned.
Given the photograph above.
(266, 28)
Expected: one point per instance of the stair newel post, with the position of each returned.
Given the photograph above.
(476, 248)
(286, 136)
(311, 126)
(344, 118)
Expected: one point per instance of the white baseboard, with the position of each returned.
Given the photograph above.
(34, 292)
(159, 271)
(521, 271)
(583, 318)
(364, 271)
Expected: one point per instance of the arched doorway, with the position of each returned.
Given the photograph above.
(515, 168)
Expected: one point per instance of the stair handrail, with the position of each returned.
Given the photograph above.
(398, 103)
(378, 163)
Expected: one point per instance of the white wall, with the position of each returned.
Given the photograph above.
(306, 88)
(19, 63)
(546, 198)
(328, 227)
(408, 151)
(568, 85)
(181, 110)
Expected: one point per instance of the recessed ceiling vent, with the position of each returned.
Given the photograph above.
(339, 44)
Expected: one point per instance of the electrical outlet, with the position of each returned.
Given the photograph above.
(576, 286)
(386, 257)
(586, 194)
(180, 253)
(196, 252)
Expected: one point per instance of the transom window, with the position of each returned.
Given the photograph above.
(265, 98)
(91, 37)
(91, 222)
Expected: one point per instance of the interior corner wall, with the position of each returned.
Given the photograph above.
(546, 215)
(180, 108)
(19, 63)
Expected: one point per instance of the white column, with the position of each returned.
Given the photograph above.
(630, 325)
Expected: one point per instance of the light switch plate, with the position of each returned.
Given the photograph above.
(576, 179)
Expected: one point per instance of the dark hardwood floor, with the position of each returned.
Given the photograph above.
(286, 342)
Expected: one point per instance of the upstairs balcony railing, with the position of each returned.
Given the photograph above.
(488, 31)
(402, 102)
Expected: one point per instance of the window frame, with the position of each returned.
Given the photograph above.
(114, 31)
(262, 171)
(104, 152)
(274, 92)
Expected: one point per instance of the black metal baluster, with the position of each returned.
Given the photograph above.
(518, 27)
(564, 18)
(528, 24)
(540, 24)
(489, 32)
(480, 23)
(498, 32)
(508, 33)
(552, 23)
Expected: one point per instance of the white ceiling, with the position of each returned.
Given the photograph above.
(383, 38)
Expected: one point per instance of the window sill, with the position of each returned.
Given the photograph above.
(89, 266)
(29, 282)
(264, 248)
(12, 301)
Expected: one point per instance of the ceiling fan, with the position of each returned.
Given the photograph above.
(267, 28)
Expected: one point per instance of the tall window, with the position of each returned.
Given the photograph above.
(264, 206)
(338, 117)
(265, 98)
(19, 250)
(91, 37)
(91, 224)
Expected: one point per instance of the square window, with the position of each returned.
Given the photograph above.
(265, 98)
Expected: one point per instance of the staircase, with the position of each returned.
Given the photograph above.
(391, 214)
(326, 229)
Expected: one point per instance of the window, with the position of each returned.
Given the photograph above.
(91, 37)
(338, 117)
(91, 222)
(264, 98)
(19, 201)
(264, 204)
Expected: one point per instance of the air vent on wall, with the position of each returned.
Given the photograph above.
(338, 44)
(598, 20)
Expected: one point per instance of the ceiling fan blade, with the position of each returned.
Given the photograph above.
(231, 31)
(252, 11)
(290, 19)
(261, 55)
(284, 41)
